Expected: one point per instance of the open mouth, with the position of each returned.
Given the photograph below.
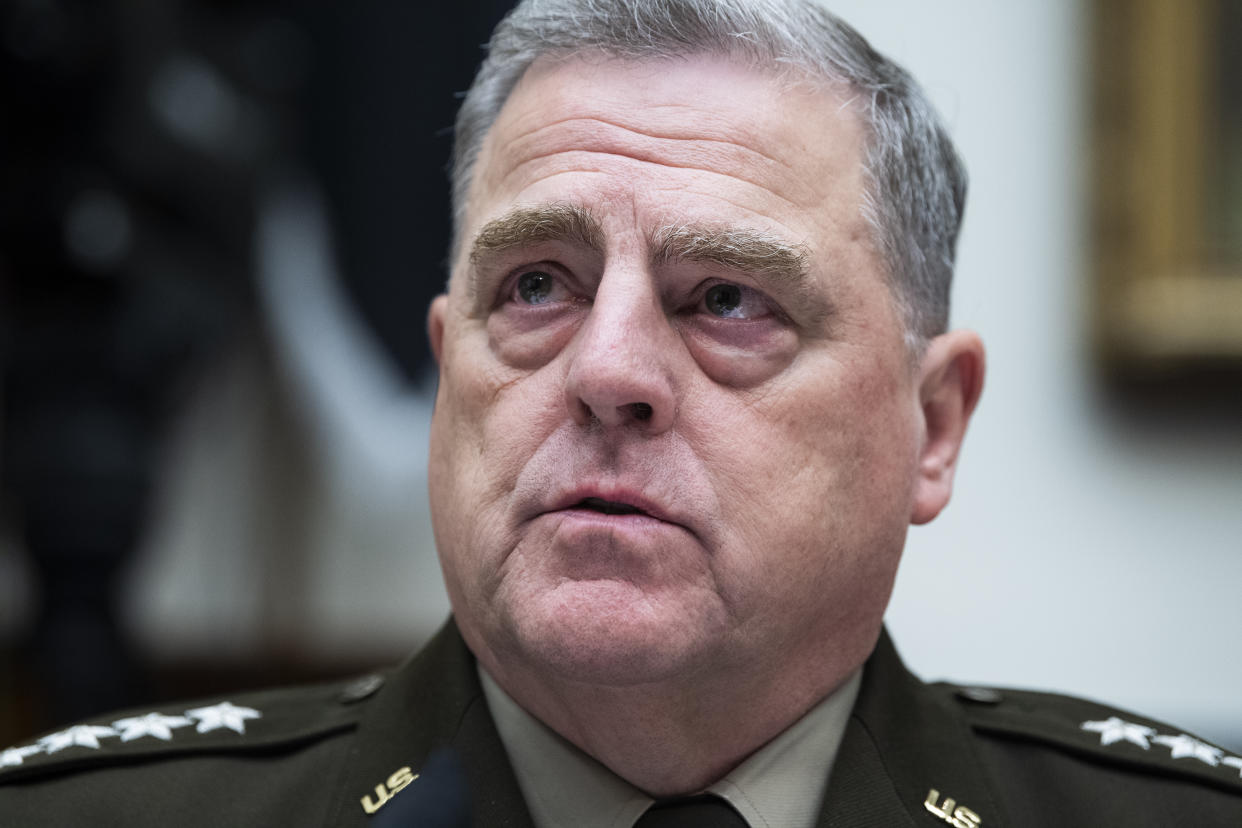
(608, 507)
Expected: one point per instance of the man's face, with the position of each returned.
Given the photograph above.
(677, 428)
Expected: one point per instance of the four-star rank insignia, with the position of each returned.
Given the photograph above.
(224, 715)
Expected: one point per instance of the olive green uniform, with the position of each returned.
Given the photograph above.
(344, 754)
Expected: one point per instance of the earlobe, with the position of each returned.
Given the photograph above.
(435, 324)
(950, 382)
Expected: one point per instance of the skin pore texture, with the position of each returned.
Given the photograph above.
(678, 436)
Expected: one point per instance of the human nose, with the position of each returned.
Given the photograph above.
(621, 369)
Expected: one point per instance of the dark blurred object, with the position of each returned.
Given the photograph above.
(131, 152)
(140, 137)
(381, 125)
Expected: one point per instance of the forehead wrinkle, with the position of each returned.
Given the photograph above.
(692, 168)
(709, 155)
(592, 122)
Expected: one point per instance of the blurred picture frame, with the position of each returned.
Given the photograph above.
(1167, 188)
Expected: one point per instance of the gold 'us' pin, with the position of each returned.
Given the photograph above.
(956, 815)
(386, 791)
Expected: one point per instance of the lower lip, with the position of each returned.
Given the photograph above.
(636, 524)
(592, 546)
(627, 519)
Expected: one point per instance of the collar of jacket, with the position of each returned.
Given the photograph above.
(433, 702)
(903, 741)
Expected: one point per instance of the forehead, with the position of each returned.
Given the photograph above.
(658, 142)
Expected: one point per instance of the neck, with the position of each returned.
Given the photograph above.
(669, 738)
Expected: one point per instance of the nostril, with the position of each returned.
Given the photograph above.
(640, 411)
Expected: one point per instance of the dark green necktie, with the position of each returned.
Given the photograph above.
(705, 811)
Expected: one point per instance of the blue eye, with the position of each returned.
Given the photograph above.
(535, 287)
(729, 301)
(723, 300)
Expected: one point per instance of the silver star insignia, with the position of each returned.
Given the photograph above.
(11, 757)
(224, 714)
(1184, 746)
(152, 724)
(1114, 730)
(86, 736)
(1233, 761)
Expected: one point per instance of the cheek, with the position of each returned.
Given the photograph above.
(530, 339)
(469, 464)
(813, 509)
(490, 419)
(821, 459)
(739, 355)
(480, 441)
(472, 380)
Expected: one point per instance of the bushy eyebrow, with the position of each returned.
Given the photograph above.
(525, 226)
(758, 254)
(761, 255)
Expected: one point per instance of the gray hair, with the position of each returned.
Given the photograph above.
(916, 182)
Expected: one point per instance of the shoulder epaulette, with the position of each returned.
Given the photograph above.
(1099, 732)
(247, 722)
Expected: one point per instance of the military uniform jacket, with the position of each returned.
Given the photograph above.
(354, 754)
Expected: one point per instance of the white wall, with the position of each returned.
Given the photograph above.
(1086, 549)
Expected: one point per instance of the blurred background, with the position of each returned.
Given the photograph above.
(220, 226)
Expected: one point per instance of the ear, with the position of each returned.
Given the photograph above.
(950, 381)
(435, 324)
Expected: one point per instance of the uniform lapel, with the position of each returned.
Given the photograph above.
(903, 742)
(906, 751)
(432, 702)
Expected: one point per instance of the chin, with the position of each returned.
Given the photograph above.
(613, 633)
